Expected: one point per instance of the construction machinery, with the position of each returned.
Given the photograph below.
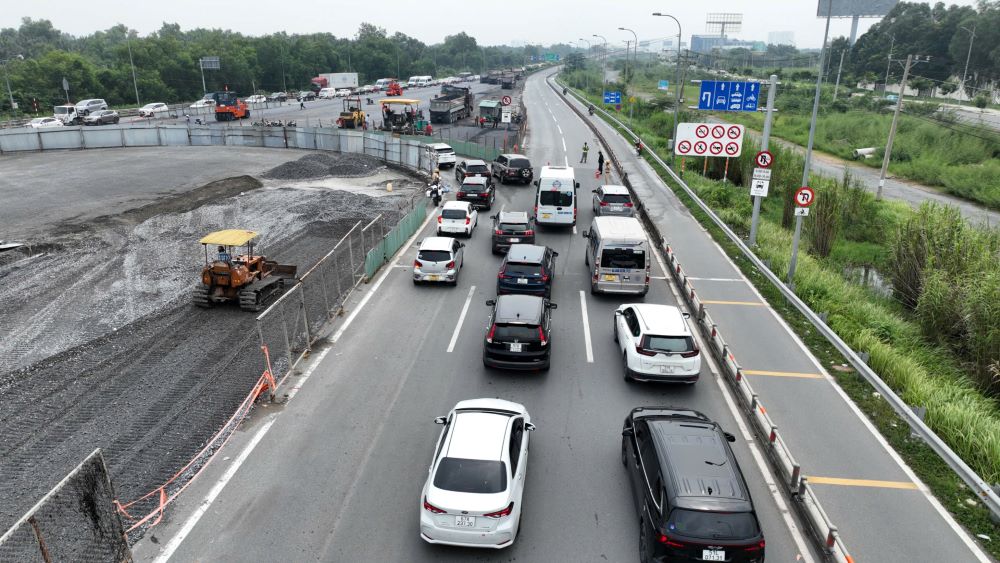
(394, 89)
(229, 106)
(454, 103)
(401, 115)
(352, 116)
(249, 279)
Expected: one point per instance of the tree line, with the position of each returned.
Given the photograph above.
(38, 56)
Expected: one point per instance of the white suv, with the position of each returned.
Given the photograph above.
(472, 497)
(444, 154)
(457, 217)
(656, 343)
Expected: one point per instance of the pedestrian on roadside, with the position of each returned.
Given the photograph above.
(302, 103)
(585, 150)
(600, 163)
(607, 172)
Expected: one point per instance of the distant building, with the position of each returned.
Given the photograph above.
(708, 43)
(781, 38)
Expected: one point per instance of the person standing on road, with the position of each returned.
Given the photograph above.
(607, 172)
(585, 150)
(600, 163)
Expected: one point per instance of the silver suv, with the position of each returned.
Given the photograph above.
(84, 107)
(439, 259)
(613, 201)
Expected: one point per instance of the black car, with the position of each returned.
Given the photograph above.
(512, 168)
(519, 334)
(278, 97)
(527, 268)
(470, 168)
(511, 227)
(478, 191)
(692, 499)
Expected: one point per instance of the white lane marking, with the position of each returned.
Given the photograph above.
(762, 465)
(741, 280)
(560, 129)
(461, 320)
(574, 229)
(586, 328)
(564, 145)
(216, 490)
(567, 160)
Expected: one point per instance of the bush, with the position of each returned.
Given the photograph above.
(981, 101)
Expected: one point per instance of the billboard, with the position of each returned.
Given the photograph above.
(852, 8)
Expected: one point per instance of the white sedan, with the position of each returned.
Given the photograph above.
(203, 103)
(256, 99)
(343, 93)
(153, 109)
(472, 497)
(43, 122)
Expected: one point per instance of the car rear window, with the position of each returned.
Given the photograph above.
(513, 226)
(453, 213)
(474, 187)
(713, 525)
(559, 199)
(523, 270)
(445, 150)
(471, 475)
(668, 343)
(623, 258)
(477, 169)
(434, 256)
(520, 163)
(616, 198)
(518, 332)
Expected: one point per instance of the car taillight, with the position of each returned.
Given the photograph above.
(461, 194)
(489, 336)
(529, 233)
(754, 547)
(501, 275)
(430, 507)
(545, 277)
(440, 219)
(604, 204)
(574, 213)
(629, 204)
(669, 542)
(497, 231)
(501, 513)
(541, 336)
(468, 220)
(639, 349)
(692, 353)
(417, 264)
(450, 265)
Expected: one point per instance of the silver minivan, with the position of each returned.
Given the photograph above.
(618, 256)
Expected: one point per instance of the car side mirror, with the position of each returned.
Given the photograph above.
(618, 313)
(627, 432)
(687, 315)
(529, 427)
(440, 420)
(585, 234)
(576, 185)
(552, 306)
(491, 302)
(462, 245)
(593, 191)
(729, 437)
(536, 183)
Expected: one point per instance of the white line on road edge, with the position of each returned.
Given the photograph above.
(560, 129)
(741, 280)
(461, 320)
(216, 490)
(586, 328)
(567, 160)
(564, 145)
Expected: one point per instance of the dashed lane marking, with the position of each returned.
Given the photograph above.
(586, 327)
(784, 374)
(861, 482)
(461, 320)
(747, 303)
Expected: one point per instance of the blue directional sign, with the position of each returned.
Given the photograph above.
(663, 85)
(612, 97)
(724, 95)
(532, 58)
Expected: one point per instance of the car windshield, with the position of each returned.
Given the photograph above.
(61, 110)
(516, 332)
(453, 213)
(523, 270)
(471, 475)
(713, 525)
(434, 256)
(616, 198)
(559, 199)
(513, 226)
(520, 163)
(672, 344)
(477, 169)
(623, 258)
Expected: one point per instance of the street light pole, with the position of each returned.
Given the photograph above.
(677, 80)
(586, 75)
(604, 64)
(972, 37)
(888, 64)
(135, 84)
(628, 78)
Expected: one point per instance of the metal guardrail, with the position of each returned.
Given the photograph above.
(979, 486)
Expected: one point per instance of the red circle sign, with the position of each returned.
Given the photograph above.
(716, 148)
(732, 149)
(700, 147)
(684, 147)
(734, 132)
(718, 131)
(701, 131)
(804, 196)
(505, 100)
(764, 159)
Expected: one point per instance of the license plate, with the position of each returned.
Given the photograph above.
(610, 277)
(515, 346)
(515, 240)
(546, 215)
(522, 280)
(470, 522)
(668, 369)
(713, 555)
(434, 278)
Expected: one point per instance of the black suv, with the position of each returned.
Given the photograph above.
(469, 168)
(519, 334)
(513, 168)
(511, 227)
(692, 499)
(478, 191)
(527, 268)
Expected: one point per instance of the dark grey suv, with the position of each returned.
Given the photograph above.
(519, 336)
(692, 499)
(512, 168)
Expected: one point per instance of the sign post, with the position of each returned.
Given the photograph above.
(764, 158)
(65, 86)
(804, 197)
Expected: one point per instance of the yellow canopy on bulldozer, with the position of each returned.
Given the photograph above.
(229, 237)
(400, 101)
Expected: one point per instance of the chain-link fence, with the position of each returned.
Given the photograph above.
(75, 521)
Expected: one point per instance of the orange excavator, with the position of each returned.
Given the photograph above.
(250, 279)
(394, 89)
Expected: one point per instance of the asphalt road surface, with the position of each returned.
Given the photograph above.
(336, 476)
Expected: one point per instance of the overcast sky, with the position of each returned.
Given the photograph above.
(491, 23)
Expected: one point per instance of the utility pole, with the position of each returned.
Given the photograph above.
(6, 75)
(888, 64)
(201, 65)
(134, 83)
(836, 87)
(809, 149)
(772, 87)
(972, 37)
(678, 80)
(895, 118)
(628, 78)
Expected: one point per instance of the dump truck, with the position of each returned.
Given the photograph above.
(249, 279)
(508, 80)
(454, 103)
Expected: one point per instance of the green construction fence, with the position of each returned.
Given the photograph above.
(385, 248)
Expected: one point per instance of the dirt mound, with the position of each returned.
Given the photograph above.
(320, 165)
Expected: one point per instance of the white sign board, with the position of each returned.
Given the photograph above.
(762, 174)
(801, 211)
(505, 116)
(709, 139)
(759, 187)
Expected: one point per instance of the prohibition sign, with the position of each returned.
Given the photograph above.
(700, 147)
(732, 148)
(684, 147)
(805, 196)
(716, 148)
(733, 132)
(764, 159)
(701, 131)
(718, 131)
(505, 100)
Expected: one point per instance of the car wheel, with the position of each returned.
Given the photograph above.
(624, 453)
(614, 328)
(625, 370)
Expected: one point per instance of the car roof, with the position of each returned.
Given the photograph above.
(665, 320)
(512, 217)
(557, 172)
(439, 146)
(628, 228)
(515, 308)
(457, 205)
(514, 155)
(613, 189)
(478, 434)
(475, 180)
(526, 253)
(437, 243)
(470, 162)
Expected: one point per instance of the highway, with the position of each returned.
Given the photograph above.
(336, 474)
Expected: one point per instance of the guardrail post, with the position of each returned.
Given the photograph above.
(773, 435)
(831, 537)
(754, 402)
(793, 484)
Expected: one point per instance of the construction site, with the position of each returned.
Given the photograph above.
(100, 342)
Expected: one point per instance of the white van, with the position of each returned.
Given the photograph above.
(618, 256)
(555, 196)
(327, 93)
(383, 83)
(419, 81)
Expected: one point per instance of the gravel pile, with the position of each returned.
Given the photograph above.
(320, 165)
